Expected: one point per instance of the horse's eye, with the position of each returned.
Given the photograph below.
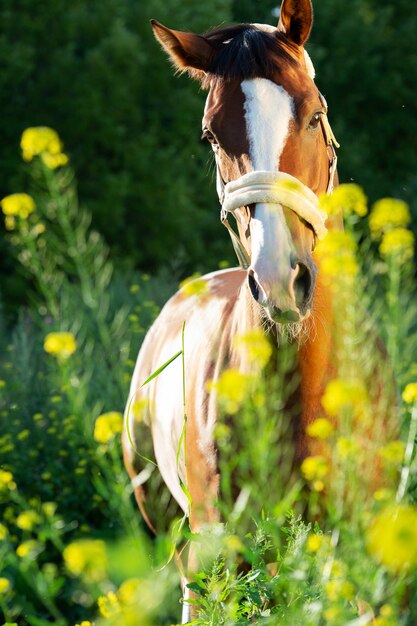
(207, 134)
(315, 120)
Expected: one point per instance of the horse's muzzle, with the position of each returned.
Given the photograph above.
(292, 301)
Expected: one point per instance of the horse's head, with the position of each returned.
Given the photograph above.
(266, 122)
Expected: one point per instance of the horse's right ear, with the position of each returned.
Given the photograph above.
(188, 51)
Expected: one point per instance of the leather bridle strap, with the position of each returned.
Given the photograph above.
(276, 188)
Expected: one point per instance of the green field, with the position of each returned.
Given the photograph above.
(313, 547)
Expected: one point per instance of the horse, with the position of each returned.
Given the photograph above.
(274, 151)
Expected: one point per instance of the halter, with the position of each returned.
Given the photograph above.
(277, 188)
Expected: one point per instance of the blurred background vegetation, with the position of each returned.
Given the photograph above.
(93, 71)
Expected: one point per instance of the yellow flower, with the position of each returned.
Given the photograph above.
(4, 585)
(231, 388)
(337, 256)
(339, 589)
(60, 344)
(387, 214)
(6, 480)
(392, 537)
(314, 468)
(398, 243)
(18, 205)
(386, 617)
(393, 452)
(194, 286)
(340, 394)
(410, 393)
(255, 345)
(54, 160)
(49, 508)
(88, 558)
(314, 543)
(129, 591)
(44, 142)
(345, 199)
(347, 447)
(108, 605)
(320, 429)
(27, 548)
(84, 623)
(27, 520)
(107, 426)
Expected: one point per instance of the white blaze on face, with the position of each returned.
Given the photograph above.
(268, 113)
(269, 110)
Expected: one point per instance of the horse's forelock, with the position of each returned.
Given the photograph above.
(245, 51)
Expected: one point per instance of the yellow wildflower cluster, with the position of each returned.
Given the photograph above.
(339, 589)
(388, 214)
(346, 199)
(386, 617)
(194, 286)
(60, 344)
(340, 394)
(337, 257)
(109, 605)
(321, 428)
(314, 469)
(107, 426)
(88, 558)
(17, 205)
(6, 480)
(255, 347)
(410, 393)
(84, 623)
(317, 543)
(27, 548)
(43, 142)
(388, 222)
(392, 537)
(122, 605)
(27, 520)
(398, 243)
(231, 389)
(4, 585)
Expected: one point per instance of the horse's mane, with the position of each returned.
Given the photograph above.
(246, 52)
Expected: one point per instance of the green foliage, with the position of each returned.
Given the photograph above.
(101, 81)
(131, 127)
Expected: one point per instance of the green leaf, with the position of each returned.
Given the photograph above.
(161, 369)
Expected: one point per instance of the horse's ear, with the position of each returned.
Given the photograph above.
(296, 20)
(188, 51)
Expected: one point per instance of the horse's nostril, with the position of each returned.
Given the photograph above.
(253, 286)
(302, 285)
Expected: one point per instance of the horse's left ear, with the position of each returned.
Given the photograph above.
(296, 20)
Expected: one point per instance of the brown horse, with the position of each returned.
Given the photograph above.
(267, 124)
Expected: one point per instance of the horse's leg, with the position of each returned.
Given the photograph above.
(203, 487)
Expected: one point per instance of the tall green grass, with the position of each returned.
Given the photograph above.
(331, 542)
